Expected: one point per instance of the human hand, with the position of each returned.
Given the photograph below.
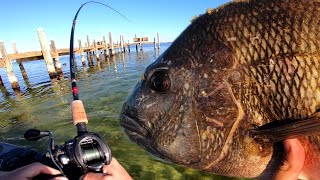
(113, 171)
(293, 161)
(30, 171)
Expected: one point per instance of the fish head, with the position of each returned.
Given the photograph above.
(182, 109)
(237, 67)
(158, 115)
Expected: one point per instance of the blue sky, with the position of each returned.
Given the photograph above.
(21, 18)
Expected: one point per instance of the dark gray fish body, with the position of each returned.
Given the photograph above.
(243, 65)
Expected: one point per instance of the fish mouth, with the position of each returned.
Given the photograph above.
(150, 138)
(137, 133)
(130, 124)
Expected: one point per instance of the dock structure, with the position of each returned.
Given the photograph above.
(158, 37)
(50, 53)
(83, 61)
(8, 65)
(19, 61)
(106, 52)
(46, 54)
(144, 40)
(96, 51)
(56, 59)
(112, 51)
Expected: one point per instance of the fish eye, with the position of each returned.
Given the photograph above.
(160, 81)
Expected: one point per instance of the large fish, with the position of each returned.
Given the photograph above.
(239, 80)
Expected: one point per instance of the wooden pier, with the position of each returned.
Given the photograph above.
(36, 55)
(51, 54)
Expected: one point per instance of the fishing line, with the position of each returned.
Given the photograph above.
(75, 91)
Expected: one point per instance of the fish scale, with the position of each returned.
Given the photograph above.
(267, 52)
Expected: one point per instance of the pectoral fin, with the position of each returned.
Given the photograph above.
(285, 129)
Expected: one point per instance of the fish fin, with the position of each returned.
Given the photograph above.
(276, 131)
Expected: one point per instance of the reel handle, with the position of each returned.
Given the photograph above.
(35, 135)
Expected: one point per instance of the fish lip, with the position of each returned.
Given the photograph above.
(137, 133)
(129, 123)
(144, 143)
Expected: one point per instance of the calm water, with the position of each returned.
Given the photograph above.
(45, 105)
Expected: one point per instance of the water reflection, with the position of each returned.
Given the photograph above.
(123, 61)
(90, 59)
(99, 66)
(84, 72)
(114, 63)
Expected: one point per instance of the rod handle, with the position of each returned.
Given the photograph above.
(78, 112)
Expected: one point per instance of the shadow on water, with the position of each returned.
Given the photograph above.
(103, 87)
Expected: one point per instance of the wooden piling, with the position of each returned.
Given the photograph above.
(56, 59)
(135, 36)
(1, 82)
(128, 45)
(88, 41)
(140, 43)
(124, 44)
(158, 40)
(154, 43)
(75, 61)
(106, 51)
(112, 51)
(104, 40)
(96, 50)
(105, 48)
(22, 69)
(8, 65)
(121, 44)
(46, 53)
(118, 46)
(88, 45)
(19, 61)
(90, 59)
(14, 46)
(82, 54)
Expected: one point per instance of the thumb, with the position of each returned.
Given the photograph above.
(92, 175)
(293, 161)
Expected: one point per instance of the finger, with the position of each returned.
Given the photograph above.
(59, 178)
(106, 168)
(90, 176)
(293, 160)
(34, 169)
(109, 169)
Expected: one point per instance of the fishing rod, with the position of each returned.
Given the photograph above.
(87, 152)
(75, 92)
(81, 121)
